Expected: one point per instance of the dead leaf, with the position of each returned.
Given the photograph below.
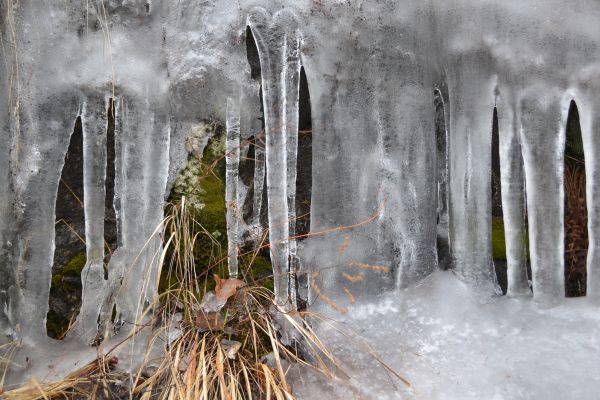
(230, 347)
(226, 288)
(206, 321)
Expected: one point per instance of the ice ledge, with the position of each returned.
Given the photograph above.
(450, 345)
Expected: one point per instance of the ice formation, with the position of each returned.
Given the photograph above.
(384, 190)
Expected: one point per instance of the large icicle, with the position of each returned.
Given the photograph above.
(541, 121)
(95, 123)
(144, 171)
(273, 41)
(232, 159)
(471, 88)
(513, 200)
(40, 161)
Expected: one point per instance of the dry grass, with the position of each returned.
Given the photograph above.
(576, 235)
(236, 352)
(240, 358)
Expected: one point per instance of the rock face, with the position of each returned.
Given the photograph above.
(336, 103)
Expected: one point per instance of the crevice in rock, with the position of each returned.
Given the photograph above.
(304, 160)
(498, 237)
(70, 250)
(575, 209)
(441, 138)
(110, 218)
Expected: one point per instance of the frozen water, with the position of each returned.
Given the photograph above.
(450, 345)
(384, 188)
(232, 157)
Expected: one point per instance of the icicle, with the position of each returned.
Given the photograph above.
(471, 113)
(590, 126)
(144, 171)
(541, 121)
(232, 158)
(513, 202)
(273, 43)
(291, 116)
(259, 183)
(95, 123)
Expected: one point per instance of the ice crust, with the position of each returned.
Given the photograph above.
(449, 345)
(372, 69)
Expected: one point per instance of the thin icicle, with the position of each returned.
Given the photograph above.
(291, 116)
(232, 158)
(259, 181)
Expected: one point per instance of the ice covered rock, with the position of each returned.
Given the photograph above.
(385, 189)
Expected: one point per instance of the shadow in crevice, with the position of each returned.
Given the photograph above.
(70, 250)
(110, 217)
(304, 160)
(441, 138)
(575, 208)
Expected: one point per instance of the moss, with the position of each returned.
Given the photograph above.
(499, 241)
(72, 269)
(75, 265)
(66, 285)
(202, 182)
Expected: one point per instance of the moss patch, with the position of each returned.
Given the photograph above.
(66, 286)
(72, 269)
(202, 182)
(499, 239)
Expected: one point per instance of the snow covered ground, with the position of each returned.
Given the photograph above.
(449, 344)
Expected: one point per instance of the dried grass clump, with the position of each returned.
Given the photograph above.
(97, 380)
(226, 344)
(236, 355)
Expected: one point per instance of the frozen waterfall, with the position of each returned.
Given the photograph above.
(386, 191)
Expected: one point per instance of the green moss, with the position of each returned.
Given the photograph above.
(72, 268)
(202, 182)
(56, 324)
(499, 241)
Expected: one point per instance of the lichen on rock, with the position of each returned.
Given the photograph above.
(205, 144)
(202, 183)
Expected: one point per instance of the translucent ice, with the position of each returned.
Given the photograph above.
(390, 200)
